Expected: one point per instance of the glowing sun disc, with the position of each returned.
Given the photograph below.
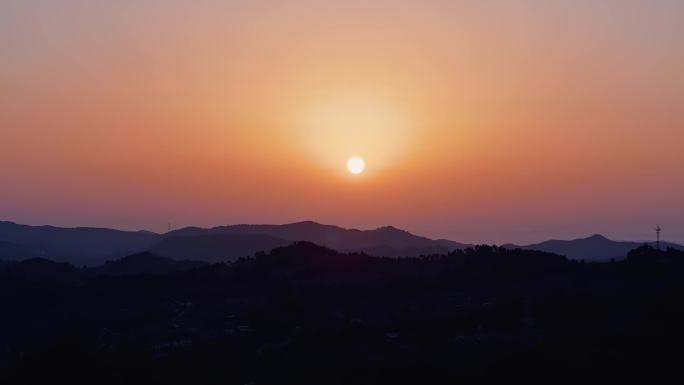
(356, 165)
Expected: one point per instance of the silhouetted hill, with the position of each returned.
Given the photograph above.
(41, 269)
(81, 245)
(144, 263)
(306, 260)
(384, 241)
(394, 252)
(593, 248)
(216, 247)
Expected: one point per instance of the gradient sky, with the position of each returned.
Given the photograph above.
(480, 121)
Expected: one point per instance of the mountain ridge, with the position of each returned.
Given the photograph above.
(386, 240)
(92, 245)
(595, 248)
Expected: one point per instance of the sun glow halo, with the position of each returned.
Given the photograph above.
(356, 165)
(335, 130)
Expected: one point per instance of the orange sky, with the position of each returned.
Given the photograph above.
(480, 121)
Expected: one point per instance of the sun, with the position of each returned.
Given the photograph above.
(356, 165)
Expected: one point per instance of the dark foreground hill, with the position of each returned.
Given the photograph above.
(45, 270)
(305, 314)
(143, 263)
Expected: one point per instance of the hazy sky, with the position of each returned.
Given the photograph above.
(480, 121)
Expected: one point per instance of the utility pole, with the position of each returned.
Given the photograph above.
(658, 237)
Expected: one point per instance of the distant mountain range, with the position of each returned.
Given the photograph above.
(594, 248)
(80, 245)
(385, 241)
(95, 246)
